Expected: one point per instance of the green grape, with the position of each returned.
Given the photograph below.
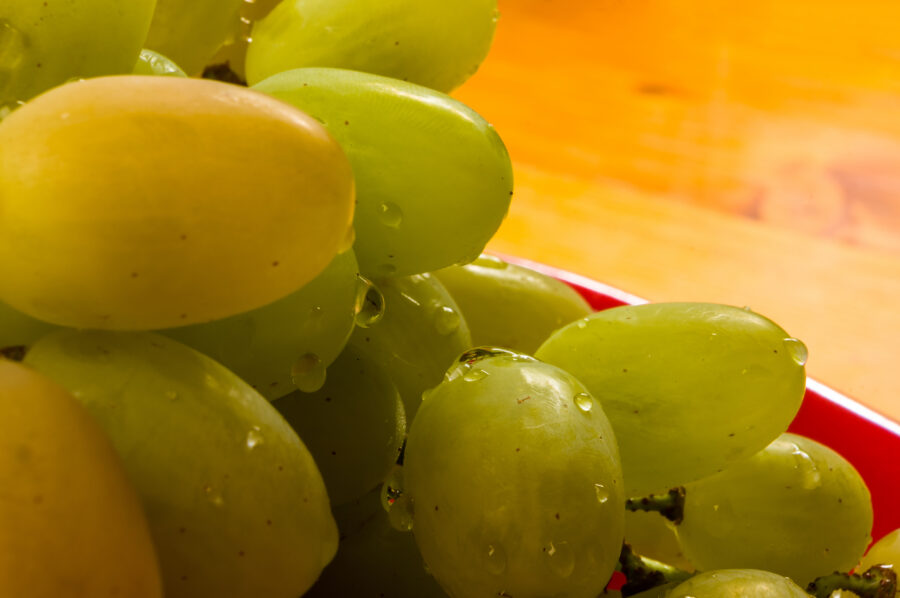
(235, 502)
(796, 508)
(513, 480)
(653, 536)
(190, 31)
(375, 560)
(419, 336)
(433, 43)
(18, 330)
(688, 387)
(295, 337)
(433, 179)
(353, 426)
(195, 201)
(511, 306)
(738, 583)
(154, 63)
(44, 44)
(885, 551)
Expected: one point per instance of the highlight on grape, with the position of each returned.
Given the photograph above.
(250, 344)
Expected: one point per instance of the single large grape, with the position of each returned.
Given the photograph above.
(507, 305)
(44, 44)
(353, 426)
(306, 330)
(688, 387)
(70, 522)
(418, 337)
(512, 475)
(235, 502)
(433, 43)
(433, 178)
(190, 31)
(738, 583)
(796, 508)
(195, 200)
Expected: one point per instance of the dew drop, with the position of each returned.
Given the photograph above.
(581, 325)
(213, 496)
(308, 373)
(560, 558)
(797, 350)
(369, 302)
(446, 320)
(474, 375)
(390, 214)
(810, 478)
(12, 51)
(602, 493)
(254, 438)
(584, 402)
(401, 514)
(495, 561)
(489, 261)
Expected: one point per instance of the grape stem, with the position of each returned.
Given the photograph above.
(645, 573)
(670, 505)
(879, 581)
(14, 353)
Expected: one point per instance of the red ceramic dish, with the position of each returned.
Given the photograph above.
(870, 441)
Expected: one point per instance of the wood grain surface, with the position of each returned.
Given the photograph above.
(745, 153)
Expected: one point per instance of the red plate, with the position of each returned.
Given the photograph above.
(869, 440)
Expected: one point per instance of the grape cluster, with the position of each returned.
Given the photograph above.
(250, 345)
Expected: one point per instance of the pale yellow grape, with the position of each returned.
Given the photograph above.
(141, 202)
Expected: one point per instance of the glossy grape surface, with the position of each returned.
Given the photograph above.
(235, 502)
(738, 583)
(183, 214)
(513, 479)
(433, 43)
(433, 178)
(154, 63)
(688, 387)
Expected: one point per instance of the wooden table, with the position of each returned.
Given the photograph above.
(744, 153)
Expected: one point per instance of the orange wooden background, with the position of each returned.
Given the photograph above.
(746, 153)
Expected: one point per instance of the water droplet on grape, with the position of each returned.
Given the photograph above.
(308, 373)
(602, 493)
(12, 51)
(400, 515)
(254, 438)
(369, 302)
(810, 478)
(584, 402)
(560, 558)
(474, 375)
(446, 320)
(489, 261)
(581, 325)
(213, 496)
(390, 214)
(496, 559)
(797, 350)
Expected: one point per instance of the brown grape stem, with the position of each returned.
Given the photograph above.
(644, 573)
(879, 581)
(14, 353)
(670, 505)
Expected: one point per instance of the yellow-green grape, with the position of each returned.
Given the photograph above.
(511, 306)
(688, 387)
(653, 536)
(235, 502)
(738, 583)
(433, 178)
(44, 44)
(885, 551)
(19, 331)
(353, 426)
(796, 508)
(154, 63)
(290, 341)
(71, 523)
(196, 200)
(419, 335)
(375, 560)
(433, 43)
(191, 31)
(513, 481)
